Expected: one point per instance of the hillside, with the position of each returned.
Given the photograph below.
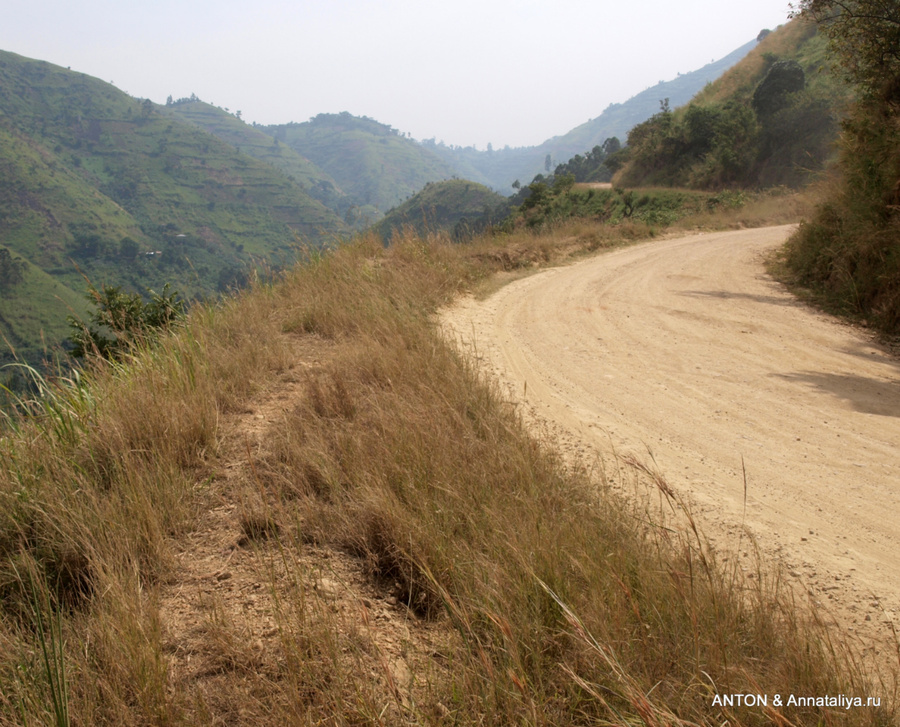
(374, 165)
(618, 119)
(499, 168)
(457, 206)
(770, 120)
(847, 255)
(95, 183)
(254, 142)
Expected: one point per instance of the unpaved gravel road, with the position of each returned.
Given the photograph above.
(687, 349)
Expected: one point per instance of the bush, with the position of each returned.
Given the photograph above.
(121, 319)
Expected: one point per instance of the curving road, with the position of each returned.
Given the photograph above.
(687, 349)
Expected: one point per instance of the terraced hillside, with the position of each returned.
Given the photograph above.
(97, 184)
(376, 165)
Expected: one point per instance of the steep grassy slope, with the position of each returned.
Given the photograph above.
(456, 206)
(371, 162)
(501, 167)
(97, 183)
(770, 120)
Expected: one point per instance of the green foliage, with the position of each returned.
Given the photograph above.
(12, 271)
(593, 166)
(864, 35)
(774, 126)
(772, 93)
(122, 319)
(545, 202)
(456, 206)
(849, 253)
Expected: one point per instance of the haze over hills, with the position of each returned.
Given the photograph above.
(97, 184)
(499, 168)
(373, 167)
(374, 164)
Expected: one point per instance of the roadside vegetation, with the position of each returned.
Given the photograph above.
(548, 599)
(458, 206)
(546, 202)
(848, 254)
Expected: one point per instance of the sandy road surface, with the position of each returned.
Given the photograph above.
(686, 348)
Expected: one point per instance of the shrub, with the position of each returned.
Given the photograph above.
(121, 319)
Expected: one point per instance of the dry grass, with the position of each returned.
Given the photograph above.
(529, 594)
(740, 79)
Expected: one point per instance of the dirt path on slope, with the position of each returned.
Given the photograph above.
(688, 350)
(243, 600)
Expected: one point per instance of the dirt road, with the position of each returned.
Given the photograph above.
(686, 348)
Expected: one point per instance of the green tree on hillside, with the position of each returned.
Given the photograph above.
(12, 271)
(850, 251)
(782, 79)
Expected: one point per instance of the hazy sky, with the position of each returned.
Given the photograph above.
(463, 71)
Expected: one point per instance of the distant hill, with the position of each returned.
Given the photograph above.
(372, 163)
(257, 143)
(96, 183)
(457, 206)
(499, 168)
(770, 120)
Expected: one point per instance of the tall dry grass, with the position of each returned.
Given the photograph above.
(566, 604)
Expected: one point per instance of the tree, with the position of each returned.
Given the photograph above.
(12, 270)
(611, 145)
(128, 248)
(865, 35)
(782, 79)
(548, 162)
